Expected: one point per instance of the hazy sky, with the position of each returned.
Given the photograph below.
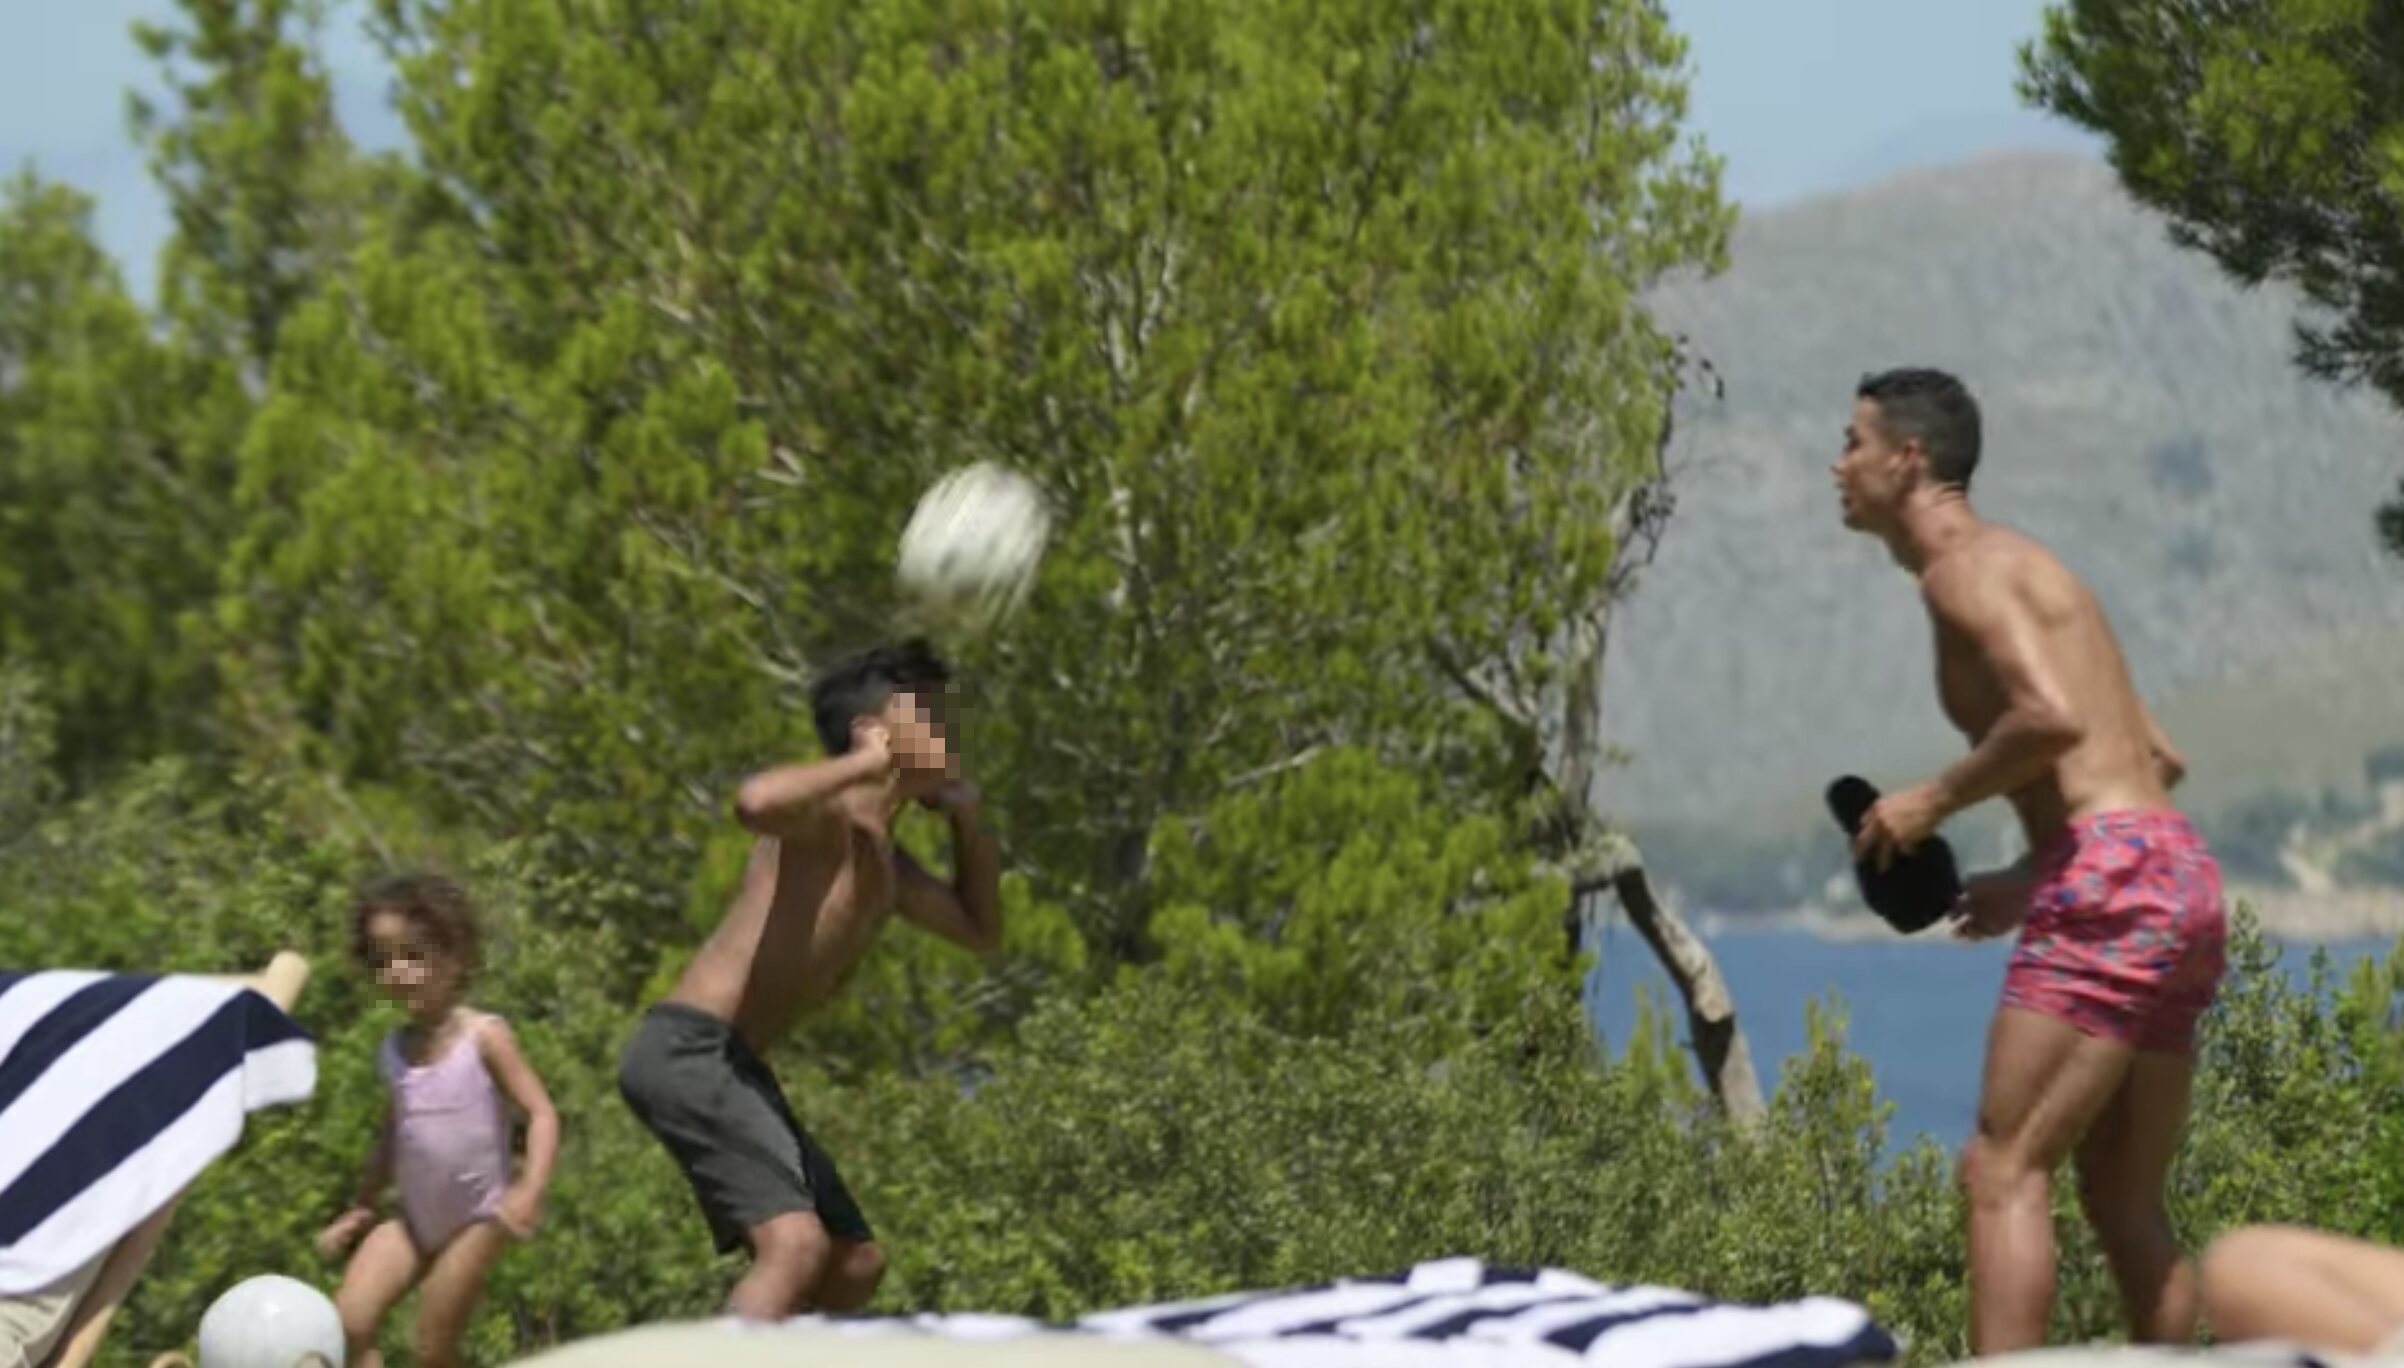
(1803, 96)
(1799, 97)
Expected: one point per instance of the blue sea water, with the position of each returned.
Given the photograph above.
(1917, 1010)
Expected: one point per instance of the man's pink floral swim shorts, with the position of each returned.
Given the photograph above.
(2127, 932)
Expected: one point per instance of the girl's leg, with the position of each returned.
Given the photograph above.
(454, 1284)
(380, 1274)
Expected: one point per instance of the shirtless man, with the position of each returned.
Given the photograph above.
(824, 874)
(2122, 928)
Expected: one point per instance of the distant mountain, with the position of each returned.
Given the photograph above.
(1950, 140)
(2142, 416)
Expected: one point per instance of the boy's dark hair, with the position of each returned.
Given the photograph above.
(1934, 407)
(858, 685)
(437, 907)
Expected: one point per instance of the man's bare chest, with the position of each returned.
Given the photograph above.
(1967, 689)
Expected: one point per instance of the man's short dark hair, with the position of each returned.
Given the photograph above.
(1934, 407)
(858, 685)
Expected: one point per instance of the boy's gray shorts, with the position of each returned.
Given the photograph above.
(690, 1078)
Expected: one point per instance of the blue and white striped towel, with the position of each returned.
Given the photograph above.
(1462, 1313)
(116, 1090)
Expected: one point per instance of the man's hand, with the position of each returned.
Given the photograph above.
(1898, 822)
(1993, 904)
(343, 1229)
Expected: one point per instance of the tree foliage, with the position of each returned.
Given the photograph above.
(1317, 323)
(2272, 135)
(109, 518)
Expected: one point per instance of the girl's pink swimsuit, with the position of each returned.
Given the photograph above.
(450, 1141)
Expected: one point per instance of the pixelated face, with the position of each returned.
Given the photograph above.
(1873, 472)
(413, 972)
(918, 728)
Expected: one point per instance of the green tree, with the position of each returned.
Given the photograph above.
(2272, 135)
(118, 432)
(1317, 321)
(268, 196)
(1346, 891)
(28, 735)
(263, 185)
(107, 518)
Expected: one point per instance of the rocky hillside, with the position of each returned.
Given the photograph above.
(2142, 415)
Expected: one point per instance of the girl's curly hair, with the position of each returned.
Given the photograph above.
(436, 906)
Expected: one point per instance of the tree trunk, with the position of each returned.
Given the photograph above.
(1719, 1045)
(1610, 861)
(1556, 727)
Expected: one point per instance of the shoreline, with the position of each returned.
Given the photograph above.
(2283, 914)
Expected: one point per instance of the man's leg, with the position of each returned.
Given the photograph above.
(2319, 1290)
(2123, 1167)
(2175, 950)
(2045, 1083)
(33, 1324)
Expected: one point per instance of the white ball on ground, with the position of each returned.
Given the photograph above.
(270, 1321)
(973, 545)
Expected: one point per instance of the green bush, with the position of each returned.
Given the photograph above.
(1190, 1127)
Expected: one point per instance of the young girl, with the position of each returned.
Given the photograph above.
(445, 1138)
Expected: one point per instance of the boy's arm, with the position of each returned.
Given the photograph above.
(788, 798)
(968, 910)
(499, 1046)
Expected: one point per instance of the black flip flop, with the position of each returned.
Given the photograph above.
(1917, 889)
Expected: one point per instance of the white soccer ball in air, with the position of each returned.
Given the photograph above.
(972, 547)
(270, 1321)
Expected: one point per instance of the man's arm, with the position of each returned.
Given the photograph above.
(2037, 725)
(968, 910)
(782, 801)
